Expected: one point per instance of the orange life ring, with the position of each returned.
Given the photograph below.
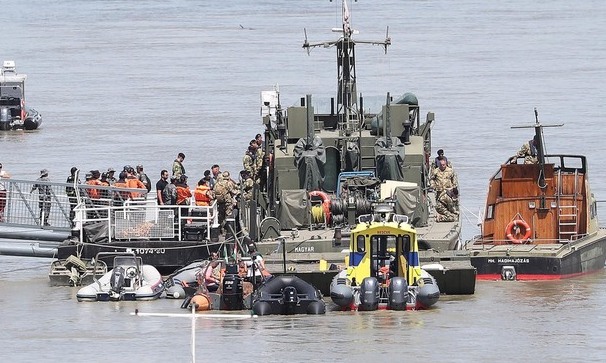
(325, 202)
(515, 223)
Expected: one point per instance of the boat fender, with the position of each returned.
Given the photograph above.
(516, 223)
(325, 202)
(341, 294)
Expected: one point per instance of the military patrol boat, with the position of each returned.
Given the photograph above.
(14, 114)
(540, 220)
(324, 170)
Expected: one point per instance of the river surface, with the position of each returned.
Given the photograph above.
(136, 82)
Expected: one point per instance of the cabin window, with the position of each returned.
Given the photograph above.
(360, 244)
(490, 212)
(405, 244)
(383, 252)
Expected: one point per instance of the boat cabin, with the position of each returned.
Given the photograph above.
(539, 203)
(383, 245)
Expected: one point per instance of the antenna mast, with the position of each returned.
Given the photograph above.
(348, 113)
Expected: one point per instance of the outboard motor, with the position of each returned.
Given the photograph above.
(117, 280)
(232, 297)
(289, 299)
(398, 293)
(5, 118)
(369, 294)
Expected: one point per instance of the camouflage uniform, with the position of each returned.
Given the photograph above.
(259, 158)
(225, 190)
(444, 182)
(447, 207)
(247, 188)
(250, 163)
(528, 151)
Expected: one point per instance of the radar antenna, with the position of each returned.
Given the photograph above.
(348, 113)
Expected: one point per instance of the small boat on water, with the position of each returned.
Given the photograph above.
(540, 220)
(129, 280)
(14, 113)
(383, 271)
(282, 295)
(288, 295)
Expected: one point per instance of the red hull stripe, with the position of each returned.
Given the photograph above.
(532, 277)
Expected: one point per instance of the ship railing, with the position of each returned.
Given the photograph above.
(50, 205)
(489, 242)
(142, 219)
(26, 203)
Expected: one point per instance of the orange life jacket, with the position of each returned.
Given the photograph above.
(183, 193)
(121, 195)
(202, 195)
(93, 193)
(133, 182)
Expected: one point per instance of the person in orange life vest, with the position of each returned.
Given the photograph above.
(121, 183)
(183, 192)
(203, 193)
(94, 193)
(133, 182)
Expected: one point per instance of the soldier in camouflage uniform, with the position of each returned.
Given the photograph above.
(447, 206)
(528, 151)
(247, 185)
(444, 182)
(249, 162)
(260, 157)
(225, 190)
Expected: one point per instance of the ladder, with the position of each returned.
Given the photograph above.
(568, 215)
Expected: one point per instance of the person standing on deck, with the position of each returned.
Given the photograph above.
(133, 182)
(528, 151)
(143, 177)
(249, 162)
(225, 191)
(44, 196)
(436, 163)
(216, 173)
(178, 168)
(71, 191)
(203, 194)
(444, 182)
(160, 185)
(110, 176)
(3, 175)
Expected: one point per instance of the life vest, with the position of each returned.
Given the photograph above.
(121, 195)
(183, 194)
(133, 182)
(202, 195)
(93, 193)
